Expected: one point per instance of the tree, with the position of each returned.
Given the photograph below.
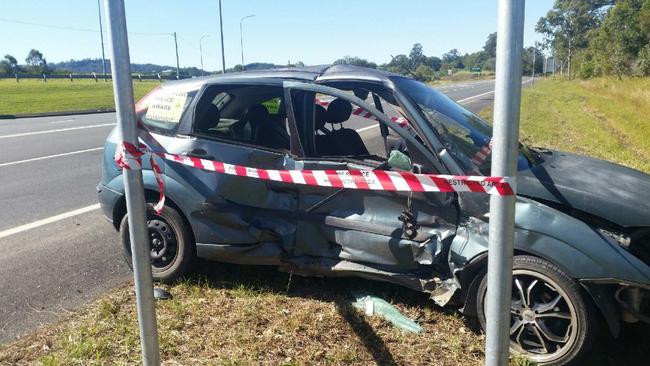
(453, 59)
(566, 26)
(434, 62)
(355, 61)
(424, 73)
(416, 57)
(400, 64)
(490, 47)
(13, 63)
(36, 60)
(616, 46)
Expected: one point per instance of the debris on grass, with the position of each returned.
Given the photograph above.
(372, 305)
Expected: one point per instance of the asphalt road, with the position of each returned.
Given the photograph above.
(56, 250)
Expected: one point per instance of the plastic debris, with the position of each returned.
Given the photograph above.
(373, 305)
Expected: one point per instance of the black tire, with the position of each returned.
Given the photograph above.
(174, 253)
(535, 320)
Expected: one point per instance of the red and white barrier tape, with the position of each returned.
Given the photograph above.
(128, 156)
(358, 111)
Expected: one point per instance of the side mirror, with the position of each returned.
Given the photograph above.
(399, 160)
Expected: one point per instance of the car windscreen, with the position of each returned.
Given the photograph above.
(465, 135)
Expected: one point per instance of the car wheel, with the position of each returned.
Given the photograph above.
(552, 322)
(171, 245)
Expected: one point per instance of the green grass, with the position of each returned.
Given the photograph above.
(603, 118)
(34, 96)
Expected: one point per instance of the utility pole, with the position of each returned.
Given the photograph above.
(201, 50)
(241, 38)
(178, 72)
(101, 38)
(133, 187)
(507, 99)
(223, 54)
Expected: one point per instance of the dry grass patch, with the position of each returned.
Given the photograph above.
(244, 316)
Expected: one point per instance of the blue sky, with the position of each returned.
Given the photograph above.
(315, 32)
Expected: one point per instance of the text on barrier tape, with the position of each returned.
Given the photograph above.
(129, 156)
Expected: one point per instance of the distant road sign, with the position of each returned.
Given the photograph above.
(475, 69)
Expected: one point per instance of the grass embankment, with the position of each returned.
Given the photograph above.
(240, 315)
(603, 118)
(57, 95)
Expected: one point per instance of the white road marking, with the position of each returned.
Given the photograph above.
(49, 220)
(367, 128)
(64, 121)
(54, 131)
(50, 156)
(474, 96)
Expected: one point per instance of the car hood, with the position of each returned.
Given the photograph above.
(597, 187)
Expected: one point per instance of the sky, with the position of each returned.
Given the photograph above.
(314, 32)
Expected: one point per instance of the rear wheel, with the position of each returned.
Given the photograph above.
(552, 322)
(172, 249)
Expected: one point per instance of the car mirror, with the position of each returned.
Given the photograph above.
(399, 160)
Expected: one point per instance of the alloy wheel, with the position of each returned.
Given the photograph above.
(543, 323)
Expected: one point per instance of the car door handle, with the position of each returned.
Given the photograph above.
(200, 153)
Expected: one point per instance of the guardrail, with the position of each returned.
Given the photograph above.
(95, 76)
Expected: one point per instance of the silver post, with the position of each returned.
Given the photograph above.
(201, 50)
(534, 55)
(241, 38)
(101, 38)
(178, 75)
(223, 55)
(133, 188)
(507, 96)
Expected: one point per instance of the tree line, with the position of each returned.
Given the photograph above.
(599, 37)
(427, 68)
(34, 63)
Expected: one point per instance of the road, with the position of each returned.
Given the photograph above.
(58, 252)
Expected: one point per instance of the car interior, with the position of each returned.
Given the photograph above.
(238, 113)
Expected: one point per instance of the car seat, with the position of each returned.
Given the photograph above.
(209, 119)
(264, 130)
(347, 140)
(325, 144)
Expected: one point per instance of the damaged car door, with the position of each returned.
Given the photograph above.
(387, 230)
(234, 218)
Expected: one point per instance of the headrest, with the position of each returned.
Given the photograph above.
(321, 117)
(257, 113)
(209, 119)
(339, 111)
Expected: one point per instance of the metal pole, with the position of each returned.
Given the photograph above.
(133, 187)
(223, 55)
(507, 97)
(178, 75)
(534, 55)
(101, 38)
(241, 38)
(201, 50)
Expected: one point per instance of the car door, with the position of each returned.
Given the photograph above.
(236, 218)
(400, 231)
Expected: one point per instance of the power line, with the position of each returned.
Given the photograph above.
(15, 21)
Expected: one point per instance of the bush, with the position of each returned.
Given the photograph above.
(644, 60)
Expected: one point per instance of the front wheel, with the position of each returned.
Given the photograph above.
(172, 249)
(552, 322)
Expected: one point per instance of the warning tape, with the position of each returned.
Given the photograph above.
(129, 156)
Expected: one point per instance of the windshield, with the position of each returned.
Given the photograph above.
(465, 135)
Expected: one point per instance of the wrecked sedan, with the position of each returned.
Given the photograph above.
(582, 236)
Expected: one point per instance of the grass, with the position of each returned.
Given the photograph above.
(240, 315)
(604, 118)
(57, 95)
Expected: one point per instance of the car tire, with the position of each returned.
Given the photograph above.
(556, 324)
(172, 246)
